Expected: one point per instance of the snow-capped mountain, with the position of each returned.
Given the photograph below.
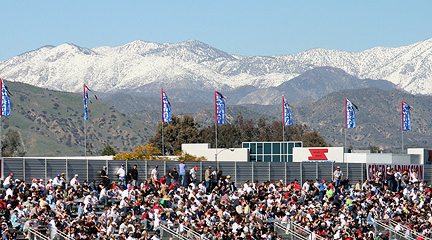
(195, 65)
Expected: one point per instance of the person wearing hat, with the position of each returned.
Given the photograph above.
(57, 181)
(193, 174)
(337, 177)
(74, 182)
(121, 174)
(208, 179)
(8, 181)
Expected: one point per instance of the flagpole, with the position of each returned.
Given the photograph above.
(85, 139)
(345, 130)
(163, 143)
(1, 146)
(283, 118)
(402, 142)
(402, 126)
(216, 153)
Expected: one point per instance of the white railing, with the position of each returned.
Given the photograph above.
(191, 234)
(173, 233)
(60, 233)
(296, 231)
(34, 234)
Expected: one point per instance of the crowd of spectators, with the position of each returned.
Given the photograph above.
(216, 207)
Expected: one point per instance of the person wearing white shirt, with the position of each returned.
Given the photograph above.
(57, 181)
(155, 175)
(193, 174)
(74, 182)
(121, 174)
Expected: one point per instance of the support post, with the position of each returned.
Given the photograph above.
(24, 169)
(235, 173)
(269, 171)
(87, 173)
(252, 172)
(301, 172)
(46, 171)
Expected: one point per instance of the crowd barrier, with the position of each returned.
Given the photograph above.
(89, 169)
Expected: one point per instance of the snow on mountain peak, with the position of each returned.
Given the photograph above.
(193, 63)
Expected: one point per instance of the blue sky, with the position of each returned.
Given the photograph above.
(235, 26)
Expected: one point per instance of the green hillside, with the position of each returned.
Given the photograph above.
(51, 123)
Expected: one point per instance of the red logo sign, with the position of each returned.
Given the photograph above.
(318, 154)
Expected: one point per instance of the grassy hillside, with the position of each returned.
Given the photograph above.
(51, 123)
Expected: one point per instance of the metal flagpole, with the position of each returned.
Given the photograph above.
(216, 119)
(216, 145)
(344, 145)
(402, 126)
(283, 118)
(283, 132)
(402, 140)
(85, 139)
(1, 150)
(163, 144)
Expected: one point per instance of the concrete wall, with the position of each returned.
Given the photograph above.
(425, 155)
(223, 154)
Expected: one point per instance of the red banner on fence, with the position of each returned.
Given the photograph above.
(372, 169)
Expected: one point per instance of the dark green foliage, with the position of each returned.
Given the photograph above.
(180, 130)
(186, 130)
(108, 151)
(11, 143)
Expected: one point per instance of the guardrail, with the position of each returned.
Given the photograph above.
(173, 234)
(286, 233)
(191, 234)
(383, 226)
(54, 232)
(34, 234)
(295, 231)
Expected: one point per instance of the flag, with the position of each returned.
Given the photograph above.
(86, 90)
(287, 116)
(166, 108)
(406, 117)
(350, 114)
(219, 108)
(5, 100)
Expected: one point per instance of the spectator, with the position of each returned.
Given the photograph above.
(155, 175)
(182, 173)
(208, 179)
(337, 177)
(193, 174)
(133, 175)
(74, 182)
(8, 181)
(121, 174)
(174, 175)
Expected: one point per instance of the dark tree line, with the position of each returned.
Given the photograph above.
(11, 144)
(187, 130)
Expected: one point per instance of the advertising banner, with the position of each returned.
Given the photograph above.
(372, 169)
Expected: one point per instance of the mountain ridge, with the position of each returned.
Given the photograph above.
(193, 63)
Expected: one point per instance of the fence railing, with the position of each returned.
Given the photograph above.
(34, 234)
(191, 234)
(89, 169)
(397, 230)
(167, 233)
(293, 230)
(54, 232)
